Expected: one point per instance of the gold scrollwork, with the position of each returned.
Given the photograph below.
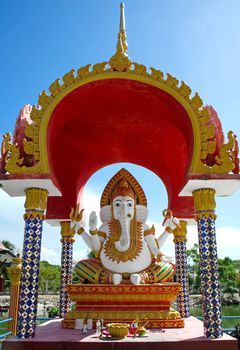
(14, 163)
(69, 78)
(44, 99)
(99, 67)
(140, 69)
(55, 87)
(84, 71)
(120, 61)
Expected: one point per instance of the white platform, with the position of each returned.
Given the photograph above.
(17, 187)
(223, 187)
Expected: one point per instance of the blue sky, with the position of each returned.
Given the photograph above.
(196, 41)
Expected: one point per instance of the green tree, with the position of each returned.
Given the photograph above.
(193, 260)
(9, 245)
(228, 275)
(229, 272)
(49, 277)
(4, 264)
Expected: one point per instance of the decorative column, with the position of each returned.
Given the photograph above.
(66, 265)
(14, 273)
(204, 201)
(35, 204)
(180, 239)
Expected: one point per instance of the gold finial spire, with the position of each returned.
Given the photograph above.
(122, 18)
(120, 61)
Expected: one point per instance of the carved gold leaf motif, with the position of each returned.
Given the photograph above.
(136, 243)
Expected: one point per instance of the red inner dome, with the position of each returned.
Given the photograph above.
(118, 120)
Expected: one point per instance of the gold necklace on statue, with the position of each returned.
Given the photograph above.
(136, 243)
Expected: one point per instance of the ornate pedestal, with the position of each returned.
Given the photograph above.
(125, 303)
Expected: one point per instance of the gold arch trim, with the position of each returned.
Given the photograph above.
(36, 133)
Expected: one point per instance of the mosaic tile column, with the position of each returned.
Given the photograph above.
(14, 274)
(35, 204)
(204, 201)
(180, 239)
(66, 266)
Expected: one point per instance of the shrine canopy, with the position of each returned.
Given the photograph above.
(118, 111)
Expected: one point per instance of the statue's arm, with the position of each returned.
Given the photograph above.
(92, 240)
(163, 238)
(149, 236)
(77, 224)
(102, 232)
(86, 237)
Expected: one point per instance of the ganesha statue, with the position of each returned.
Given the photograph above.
(127, 249)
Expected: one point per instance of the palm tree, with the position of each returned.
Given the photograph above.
(10, 246)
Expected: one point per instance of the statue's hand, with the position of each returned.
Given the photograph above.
(93, 221)
(76, 218)
(172, 223)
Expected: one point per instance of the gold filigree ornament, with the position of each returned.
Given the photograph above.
(136, 242)
(14, 163)
(120, 61)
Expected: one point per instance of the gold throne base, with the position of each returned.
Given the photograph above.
(125, 303)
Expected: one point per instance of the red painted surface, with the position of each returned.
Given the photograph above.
(113, 121)
(51, 336)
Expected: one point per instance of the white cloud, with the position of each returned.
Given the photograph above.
(50, 255)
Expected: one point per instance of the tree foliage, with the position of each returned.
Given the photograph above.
(49, 277)
(10, 246)
(229, 272)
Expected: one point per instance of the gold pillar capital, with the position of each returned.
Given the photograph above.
(67, 232)
(180, 232)
(204, 202)
(35, 203)
(36, 199)
(14, 271)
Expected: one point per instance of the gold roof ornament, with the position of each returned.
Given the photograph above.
(120, 61)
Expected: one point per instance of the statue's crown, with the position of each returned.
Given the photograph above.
(123, 189)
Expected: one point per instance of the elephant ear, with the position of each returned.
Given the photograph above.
(141, 213)
(106, 214)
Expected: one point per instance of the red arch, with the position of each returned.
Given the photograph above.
(118, 120)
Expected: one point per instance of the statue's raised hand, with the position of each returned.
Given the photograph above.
(76, 218)
(172, 223)
(169, 221)
(93, 221)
